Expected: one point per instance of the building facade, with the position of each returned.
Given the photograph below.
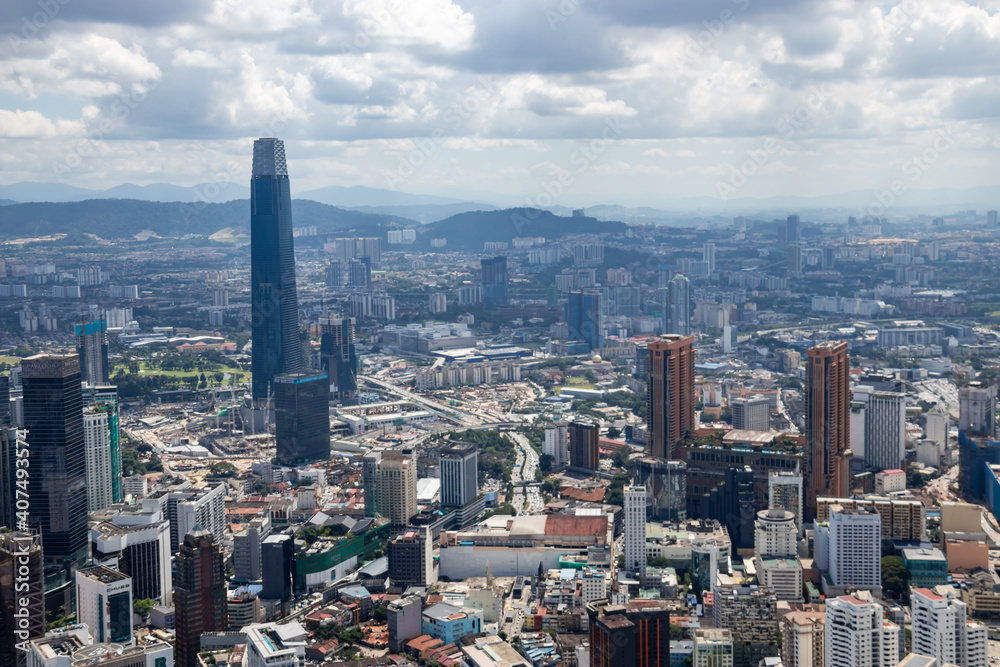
(827, 407)
(670, 394)
(302, 417)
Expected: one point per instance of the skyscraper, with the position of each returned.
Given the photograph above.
(105, 398)
(338, 357)
(494, 282)
(104, 603)
(677, 310)
(555, 445)
(752, 413)
(858, 636)
(583, 445)
(199, 594)
(396, 487)
(635, 529)
(793, 232)
(941, 629)
(583, 314)
(978, 408)
(274, 316)
(794, 259)
(411, 558)
(666, 487)
(636, 633)
(459, 474)
(92, 347)
(885, 427)
(97, 439)
(671, 393)
(708, 255)
(302, 417)
(828, 414)
(277, 558)
(57, 485)
(21, 587)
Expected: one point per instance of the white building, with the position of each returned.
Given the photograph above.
(884, 427)
(784, 491)
(936, 428)
(752, 413)
(713, 647)
(890, 481)
(97, 443)
(438, 303)
(104, 603)
(635, 529)
(858, 636)
(774, 534)
(138, 542)
(853, 542)
(470, 294)
(941, 629)
(593, 585)
(978, 408)
(556, 444)
(275, 645)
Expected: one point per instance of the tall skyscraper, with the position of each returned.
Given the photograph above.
(583, 314)
(852, 541)
(459, 474)
(671, 393)
(941, 629)
(199, 594)
(11, 440)
(666, 487)
(4, 401)
(708, 255)
(338, 357)
(635, 529)
(104, 603)
(784, 491)
(752, 413)
(97, 440)
(828, 413)
(677, 310)
(978, 408)
(105, 398)
(858, 636)
(92, 348)
(794, 259)
(884, 427)
(57, 485)
(396, 487)
(494, 282)
(21, 588)
(583, 445)
(793, 231)
(137, 542)
(302, 417)
(555, 444)
(274, 317)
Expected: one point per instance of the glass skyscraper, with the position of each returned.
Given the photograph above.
(494, 282)
(302, 417)
(277, 347)
(583, 314)
(92, 346)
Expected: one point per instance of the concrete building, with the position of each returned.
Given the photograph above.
(459, 474)
(21, 587)
(666, 487)
(438, 303)
(671, 393)
(978, 408)
(73, 645)
(827, 406)
(752, 413)
(275, 645)
(104, 603)
(858, 636)
(884, 427)
(636, 633)
(635, 529)
(775, 534)
(137, 542)
(784, 491)
(396, 487)
(411, 559)
(936, 427)
(927, 567)
(853, 541)
(890, 481)
(803, 634)
(97, 441)
(904, 520)
(713, 647)
(942, 630)
(246, 548)
(404, 621)
(583, 444)
(556, 445)
(277, 558)
(751, 614)
(449, 623)
(199, 594)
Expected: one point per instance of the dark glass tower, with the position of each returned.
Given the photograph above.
(302, 417)
(199, 594)
(583, 314)
(277, 347)
(57, 485)
(92, 347)
(494, 282)
(338, 357)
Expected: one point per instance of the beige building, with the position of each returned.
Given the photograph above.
(713, 647)
(802, 635)
(901, 519)
(957, 517)
(966, 551)
(396, 487)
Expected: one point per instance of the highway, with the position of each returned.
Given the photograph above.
(524, 471)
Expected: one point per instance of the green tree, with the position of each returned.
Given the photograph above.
(614, 432)
(380, 614)
(222, 469)
(895, 577)
(620, 457)
(142, 606)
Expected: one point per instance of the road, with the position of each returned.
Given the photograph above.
(463, 417)
(940, 489)
(524, 471)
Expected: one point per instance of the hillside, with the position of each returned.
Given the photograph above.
(469, 231)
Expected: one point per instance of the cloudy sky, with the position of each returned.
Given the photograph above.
(578, 100)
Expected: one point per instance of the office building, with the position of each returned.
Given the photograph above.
(137, 543)
(584, 317)
(338, 357)
(973, 456)
(4, 401)
(369, 481)
(803, 634)
(857, 635)
(469, 295)
(57, 487)
(97, 441)
(784, 491)
(752, 413)
(942, 629)
(884, 427)
(708, 255)
(11, 440)
(104, 398)
(671, 394)
(459, 463)
(636, 633)
(635, 529)
(199, 594)
(936, 426)
(794, 259)
(978, 409)
(705, 556)
(677, 309)
(104, 603)
(827, 406)
(583, 444)
(793, 229)
(73, 645)
(852, 540)
(243, 609)
(302, 417)
(246, 549)
(666, 487)
(411, 558)
(277, 560)
(437, 303)
(21, 587)
(775, 534)
(902, 520)
(494, 282)
(556, 445)
(92, 348)
(396, 487)
(205, 507)
(713, 647)
(277, 346)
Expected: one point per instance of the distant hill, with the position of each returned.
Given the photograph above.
(426, 213)
(7, 202)
(123, 218)
(163, 192)
(469, 231)
(359, 195)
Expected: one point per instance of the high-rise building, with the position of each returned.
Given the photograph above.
(97, 439)
(677, 310)
(274, 317)
(92, 348)
(11, 440)
(22, 594)
(739, 503)
(793, 231)
(302, 417)
(199, 594)
(857, 635)
(752, 413)
(636, 633)
(853, 545)
(437, 303)
(705, 555)
(584, 451)
(555, 445)
(827, 406)
(246, 549)
(411, 558)
(666, 487)
(277, 560)
(712, 647)
(104, 603)
(775, 534)
(359, 272)
(784, 491)
(671, 393)
(396, 487)
(751, 614)
(137, 542)
(57, 485)
(584, 316)
(369, 481)
(104, 398)
(338, 357)
(205, 507)
(368, 247)
(802, 634)
(635, 529)
(494, 282)
(936, 426)
(884, 428)
(459, 474)
(404, 621)
(978, 409)
(942, 630)
(4, 401)
(794, 259)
